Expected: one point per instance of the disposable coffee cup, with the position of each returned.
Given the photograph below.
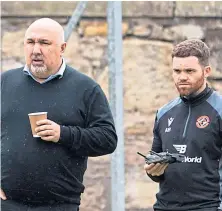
(35, 117)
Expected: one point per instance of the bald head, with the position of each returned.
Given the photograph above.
(44, 46)
(47, 25)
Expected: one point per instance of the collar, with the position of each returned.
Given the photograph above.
(58, 74)
(198, 98)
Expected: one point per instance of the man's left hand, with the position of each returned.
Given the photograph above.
(48, 130)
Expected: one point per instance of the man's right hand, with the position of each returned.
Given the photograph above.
(2, 195)
(155, 169)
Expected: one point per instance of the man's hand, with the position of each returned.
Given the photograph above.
(155, 169)
(2, 195)
(48, 130)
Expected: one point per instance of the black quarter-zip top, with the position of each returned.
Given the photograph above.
(192, 127)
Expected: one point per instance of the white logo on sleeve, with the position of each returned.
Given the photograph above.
(180, 148)
(170, 121)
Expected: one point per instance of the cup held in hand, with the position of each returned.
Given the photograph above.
(33, 118)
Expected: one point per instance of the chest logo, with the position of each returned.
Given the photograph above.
(180, 148)
(203, 122)
(170, 121)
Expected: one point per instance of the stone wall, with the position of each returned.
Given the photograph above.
(150, 29)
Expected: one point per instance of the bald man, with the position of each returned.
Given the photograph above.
(46, 173)
(46, 60)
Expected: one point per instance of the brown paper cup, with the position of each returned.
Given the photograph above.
(33, 118)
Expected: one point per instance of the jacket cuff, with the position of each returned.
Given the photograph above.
(65, 137)
(156, 178)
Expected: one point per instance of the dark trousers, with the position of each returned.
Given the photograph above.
(9, 205)
(203, 209)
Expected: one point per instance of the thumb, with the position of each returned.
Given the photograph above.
(2, 195)
(148, 166)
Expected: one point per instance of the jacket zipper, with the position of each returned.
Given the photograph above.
(188, 118)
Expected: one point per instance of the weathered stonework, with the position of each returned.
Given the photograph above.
(199, 9)
(147, 44)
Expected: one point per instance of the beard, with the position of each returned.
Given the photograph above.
(193, 89)
(40, 71)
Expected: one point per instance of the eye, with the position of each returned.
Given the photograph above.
(189, 70)
(30, 42)
(176, 71)
(44, 43)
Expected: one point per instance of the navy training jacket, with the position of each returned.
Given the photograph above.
(192, 127)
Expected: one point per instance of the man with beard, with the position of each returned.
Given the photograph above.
(46, 173)
(190, 125)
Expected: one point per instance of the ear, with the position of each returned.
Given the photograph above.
(63, 47)
(207, 71)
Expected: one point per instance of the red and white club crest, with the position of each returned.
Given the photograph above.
(203, 122)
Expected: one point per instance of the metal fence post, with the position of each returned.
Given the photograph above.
(74, 19)
(114, 18)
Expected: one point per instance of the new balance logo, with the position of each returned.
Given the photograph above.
(180, 148)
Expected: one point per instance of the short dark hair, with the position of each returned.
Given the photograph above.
(193, 47)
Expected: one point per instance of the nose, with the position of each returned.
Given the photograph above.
(183, 76)
(36, 49)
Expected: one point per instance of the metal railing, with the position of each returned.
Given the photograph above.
(114, 19)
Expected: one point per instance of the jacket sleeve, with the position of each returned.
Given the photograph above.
(99, 135)
(156, 147)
